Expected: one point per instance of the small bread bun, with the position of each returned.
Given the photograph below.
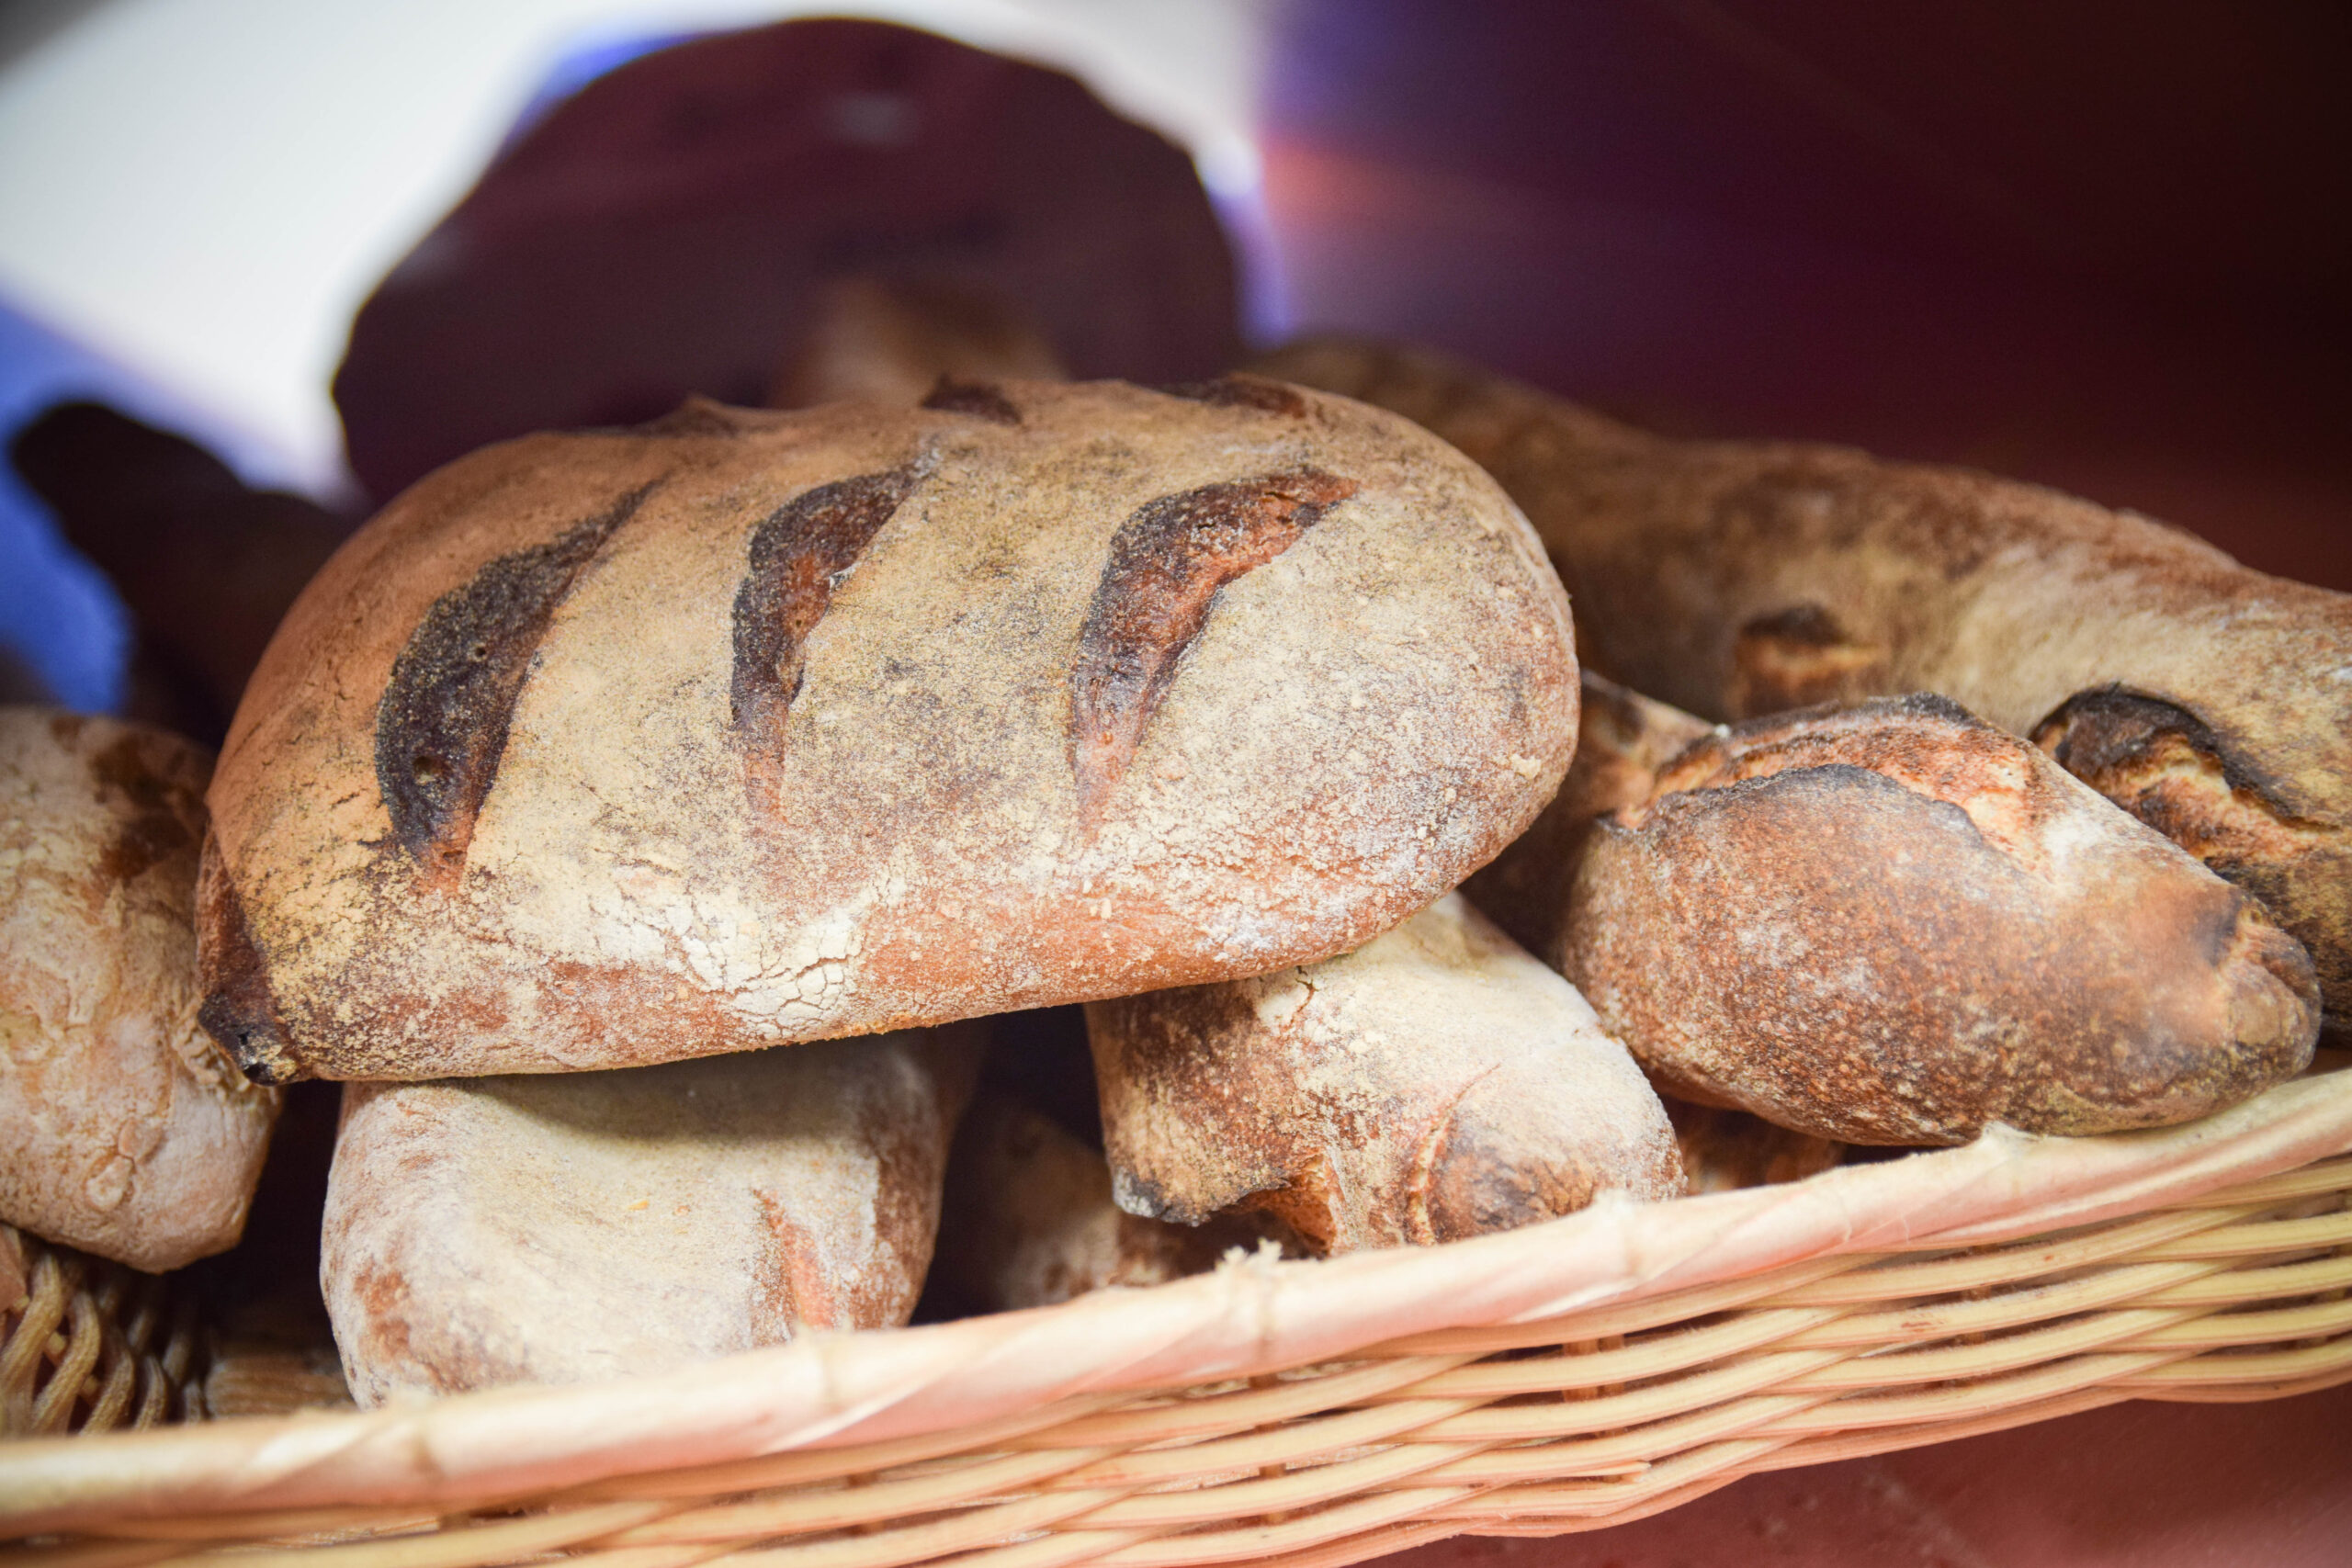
(124, 1130)
(1436, 1083)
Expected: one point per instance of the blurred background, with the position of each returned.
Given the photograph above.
(263, 262)
(2101, 245)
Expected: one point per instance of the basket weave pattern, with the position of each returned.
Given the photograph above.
(1533, 1427)
(92, 1345)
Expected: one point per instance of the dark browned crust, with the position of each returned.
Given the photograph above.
(2168, 767)
(1167, 564)
(239, 1009)
(799, 555)
(441, 725)
(1239, 390)
(981, 399)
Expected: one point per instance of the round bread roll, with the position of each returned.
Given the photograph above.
(1891, 923)
(124, 1131)
(747, 727)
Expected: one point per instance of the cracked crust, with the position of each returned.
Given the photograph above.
(566, 1228)
(1736, 578)
(1437, 1083)
(1891, 923)
(124, 1130)
(1353, 724)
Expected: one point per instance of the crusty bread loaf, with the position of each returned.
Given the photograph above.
(557, 1228)
(747, 727)
(1742, 577)
(124, 1130)
(1622, 739)
(1436, 1083)
(1028, 1220)
(1891, 923)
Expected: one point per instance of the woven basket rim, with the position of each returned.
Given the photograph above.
(1249, 1317)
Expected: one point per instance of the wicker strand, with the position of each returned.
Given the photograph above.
(1537, 1428)
(92, 1347)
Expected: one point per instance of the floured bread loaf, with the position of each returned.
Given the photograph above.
(124, 1130)
(1436, 1083)
(1028, 1220)
(747, 727)
(1890, 923)
(559, 1228)
(1740, 578)
(1622, 739)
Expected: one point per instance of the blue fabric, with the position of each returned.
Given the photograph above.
(58, 614)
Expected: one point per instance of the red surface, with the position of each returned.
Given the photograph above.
(2137, 1486)
(2106, 247)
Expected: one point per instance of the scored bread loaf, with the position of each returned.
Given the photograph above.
(1738, 578)
(563, 1227)
(1436, 1083)
(124, 1130)
(747, 728)
(1891, 923)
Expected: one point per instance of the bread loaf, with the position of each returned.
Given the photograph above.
(749, 727)
(1891, 923)
(1622, 739)
(124, 1130)
(1740, 578)
(1436, 1083)
(1028, 1220)
(560, 1228)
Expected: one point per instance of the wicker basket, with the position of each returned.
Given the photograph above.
(89, 1346)
(1567, 1376)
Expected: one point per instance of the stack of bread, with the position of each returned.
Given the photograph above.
(670, 834)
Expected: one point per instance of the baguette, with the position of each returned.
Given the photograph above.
(1738, 578)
